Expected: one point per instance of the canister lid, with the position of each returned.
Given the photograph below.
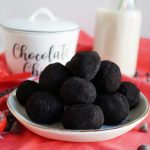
(40, 21)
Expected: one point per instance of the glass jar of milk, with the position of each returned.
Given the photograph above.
(117, 37)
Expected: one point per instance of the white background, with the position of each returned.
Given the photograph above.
(80, 11)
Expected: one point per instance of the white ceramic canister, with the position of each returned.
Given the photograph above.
(31, 44)
(117, 37)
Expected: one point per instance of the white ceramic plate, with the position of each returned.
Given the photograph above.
(57, 132)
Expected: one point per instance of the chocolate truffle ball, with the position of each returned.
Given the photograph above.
(44, 108)
(76, 90)
(84, 65)
(108, 77)
(131, 92)
(83, 117)
(114, 106)
(52, 77)
(25, 90)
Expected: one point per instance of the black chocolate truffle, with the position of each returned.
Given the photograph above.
(108, 77)
(44, 108)
(131, 92)
(114, 106)
(84, 65)
(52, 77)
(76, 90)
(25, 90)
(83, 117)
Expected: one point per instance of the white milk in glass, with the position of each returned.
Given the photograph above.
(117, 37)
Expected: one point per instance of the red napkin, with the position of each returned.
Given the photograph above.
(27, 140)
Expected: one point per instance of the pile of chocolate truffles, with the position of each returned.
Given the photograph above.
(84, 94)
